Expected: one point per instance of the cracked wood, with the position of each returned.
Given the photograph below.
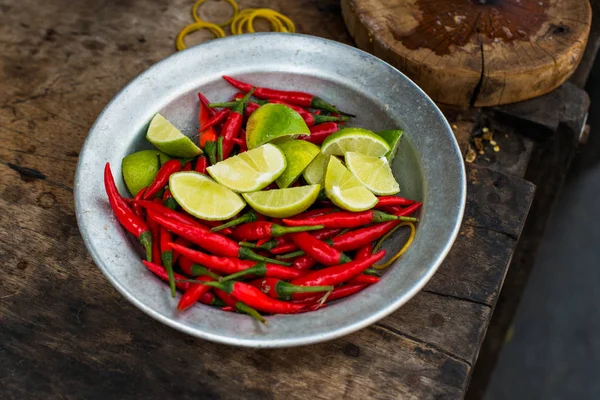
(481, 53)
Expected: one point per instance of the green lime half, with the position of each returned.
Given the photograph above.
(250, 171)
(204, 198)
(271, 122)
(167, 138)
(283, 203)
(299, 154)
(345, 190)
(392, 137)
(373, 172)
(355, 139)
(139, 169)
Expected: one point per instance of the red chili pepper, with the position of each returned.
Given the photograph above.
(182, 242)
(278, 289)
(288, 247)
(319, 133)
(393, 201)
(201, 164)
(250, 216)
(226, 265)
(364, 252)
(161, 272)
(363, 279)
(187, 166)
(205, 113)
(254, 298)
(210, 299)
(304, 263)
(162, 178)
(243, 146)
(265, 230)
(194, 293)
(155, 231)
(320, 251)
(136, 208)
(337, 293)
(315, 213)
(216, 119)
(361, 237)
(233, 125)
(169, 213)
(339, 273)
(268, 270)
(126, 217)
(347, 219)
(234, 305)
(298, 98)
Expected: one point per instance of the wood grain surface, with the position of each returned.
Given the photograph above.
(481, 53)
(66, 333)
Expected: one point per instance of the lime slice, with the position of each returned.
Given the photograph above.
(345, 190)
(250, 171)
(315, 172)
(299, 154)
(163, 134)
(283, 203)
(355, 139)
(392, 137)
(373, 172)
(272, 122)
(204, 198)
(139, 169)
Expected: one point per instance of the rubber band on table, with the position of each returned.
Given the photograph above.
(245, 21)
(196, 26)
(233, 4)
(402, 250)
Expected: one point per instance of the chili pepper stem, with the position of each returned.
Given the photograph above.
(241, 307)
(285, 289)
(322, 105)
(167, 259)
(247, 254)
(279, 230)
(249, 245)
(291, 255)
(146, 240)
(210, 148)
(371, 271)
(250, 216)
(199, 270)
(220, 149)
(258, 269)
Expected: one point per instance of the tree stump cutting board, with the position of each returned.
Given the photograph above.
(475, 52)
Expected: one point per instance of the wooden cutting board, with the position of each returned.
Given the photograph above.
(475, 52)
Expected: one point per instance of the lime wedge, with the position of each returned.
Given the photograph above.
(355, 139)
(315, 172)
(139, 169)
(373, 172)
(299, 154)
(204, 198)
(283, 203)
(345, 190)
(392, 137)
(274, 122)
(250, 171)
(165, 137)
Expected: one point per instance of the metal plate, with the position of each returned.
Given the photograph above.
(428, 166)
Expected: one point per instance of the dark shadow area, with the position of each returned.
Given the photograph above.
(553, 350)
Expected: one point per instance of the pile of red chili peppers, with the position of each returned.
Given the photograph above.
(253, 264)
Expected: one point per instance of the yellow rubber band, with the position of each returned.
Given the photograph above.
(244, 21)
(198, 3)
(402, 250)
(196, 26)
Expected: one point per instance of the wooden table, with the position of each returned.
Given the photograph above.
(66, 333)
